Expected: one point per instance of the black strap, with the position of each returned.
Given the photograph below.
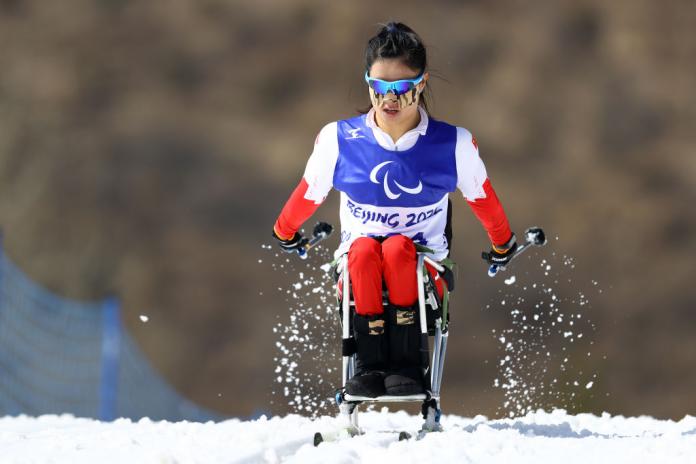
(448, 227)
(448, 277)
(349, 347)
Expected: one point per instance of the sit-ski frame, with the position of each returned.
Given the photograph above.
(348, 404)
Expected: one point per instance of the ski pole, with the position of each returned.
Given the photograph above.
(321, 231)
(533, 236)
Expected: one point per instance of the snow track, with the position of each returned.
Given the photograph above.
(536, 438)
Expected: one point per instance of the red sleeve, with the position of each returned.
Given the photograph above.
(295, 212)
(490, 212)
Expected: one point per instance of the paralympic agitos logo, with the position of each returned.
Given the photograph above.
(385, 182)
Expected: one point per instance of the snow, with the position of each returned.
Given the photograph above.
(307, 359)
(548, 327)
(535, 438)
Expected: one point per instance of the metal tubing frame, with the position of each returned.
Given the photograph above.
(347, 360)
(443, 352)
(347, 410)
(420, 397)
(438, 267)
(421, 295)
(435, 368)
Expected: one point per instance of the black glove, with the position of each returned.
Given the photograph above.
(293, 244)
(500, 255)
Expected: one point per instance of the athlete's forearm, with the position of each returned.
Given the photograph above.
(490, 212)
(295, 212)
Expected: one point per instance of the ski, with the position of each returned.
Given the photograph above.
(320, 437)
(404, 436)
(336, 435)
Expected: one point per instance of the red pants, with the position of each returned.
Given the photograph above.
(393, 262)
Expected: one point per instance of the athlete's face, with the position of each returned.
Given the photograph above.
(391, 108)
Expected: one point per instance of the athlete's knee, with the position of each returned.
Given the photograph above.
(364, 250)
(398, 245)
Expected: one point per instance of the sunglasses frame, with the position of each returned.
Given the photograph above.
(391, 84)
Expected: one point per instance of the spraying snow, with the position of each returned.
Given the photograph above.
(550, 332)
(307, 365)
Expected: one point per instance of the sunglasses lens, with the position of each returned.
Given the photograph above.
(384, 87)
(401, 88)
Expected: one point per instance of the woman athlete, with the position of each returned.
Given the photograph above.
(395, 167)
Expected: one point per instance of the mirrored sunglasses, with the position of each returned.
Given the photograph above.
(396, 87)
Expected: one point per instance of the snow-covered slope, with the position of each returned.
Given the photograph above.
(536, 438)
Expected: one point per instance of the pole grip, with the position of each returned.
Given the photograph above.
(533, 235)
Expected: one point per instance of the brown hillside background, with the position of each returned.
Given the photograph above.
(147, 147)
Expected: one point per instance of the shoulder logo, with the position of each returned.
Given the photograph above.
(354, 134)
(387, 190)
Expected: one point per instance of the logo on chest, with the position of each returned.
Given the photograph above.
(354, 134)
(389, 191)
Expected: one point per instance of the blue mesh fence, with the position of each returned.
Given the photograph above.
(64, 356)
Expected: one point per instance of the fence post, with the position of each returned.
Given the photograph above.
(111, 348)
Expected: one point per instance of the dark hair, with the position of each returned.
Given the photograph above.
(397, 40)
